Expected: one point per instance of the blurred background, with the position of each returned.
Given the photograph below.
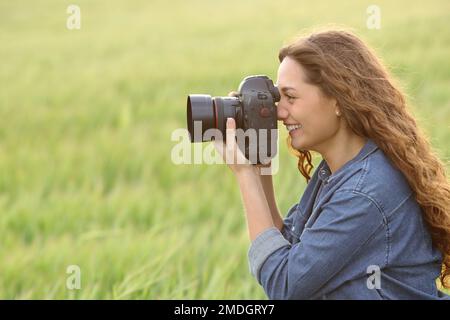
(86, 177)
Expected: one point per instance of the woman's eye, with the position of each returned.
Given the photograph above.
(290, 98)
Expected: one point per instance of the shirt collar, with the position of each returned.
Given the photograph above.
(325, 172)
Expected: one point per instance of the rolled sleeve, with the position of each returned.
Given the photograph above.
(263, 246)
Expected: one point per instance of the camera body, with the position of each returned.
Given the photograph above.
(254, 111)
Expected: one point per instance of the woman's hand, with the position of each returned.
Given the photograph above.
(230, 151)
(232, 154)
(256, 206)
(256, 190)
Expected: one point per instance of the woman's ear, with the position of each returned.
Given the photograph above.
(337, 109)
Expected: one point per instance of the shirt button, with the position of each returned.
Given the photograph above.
(293, 228)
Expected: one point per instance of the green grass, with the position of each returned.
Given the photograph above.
(86, 117)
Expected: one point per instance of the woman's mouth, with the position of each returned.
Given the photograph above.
(293, 128)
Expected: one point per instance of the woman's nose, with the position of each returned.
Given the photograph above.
(282, 113)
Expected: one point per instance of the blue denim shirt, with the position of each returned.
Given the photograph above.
(355, 234)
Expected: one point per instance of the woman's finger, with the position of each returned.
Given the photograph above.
(231, 141)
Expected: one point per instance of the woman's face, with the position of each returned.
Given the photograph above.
(304, 104)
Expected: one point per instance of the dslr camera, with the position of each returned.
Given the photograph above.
(254, 111)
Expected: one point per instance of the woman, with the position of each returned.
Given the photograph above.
(374, 220)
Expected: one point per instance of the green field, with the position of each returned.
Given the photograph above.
(86, 176)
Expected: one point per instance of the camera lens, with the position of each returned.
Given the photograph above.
(200, 107)
(211, 113)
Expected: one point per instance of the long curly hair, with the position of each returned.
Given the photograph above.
(345, 68)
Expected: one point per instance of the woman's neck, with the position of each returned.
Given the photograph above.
(341, 149)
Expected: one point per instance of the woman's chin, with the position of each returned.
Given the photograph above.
(299, 144)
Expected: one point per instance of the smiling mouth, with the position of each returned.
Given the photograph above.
(291, 127)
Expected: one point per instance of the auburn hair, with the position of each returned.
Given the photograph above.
(345, 68)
